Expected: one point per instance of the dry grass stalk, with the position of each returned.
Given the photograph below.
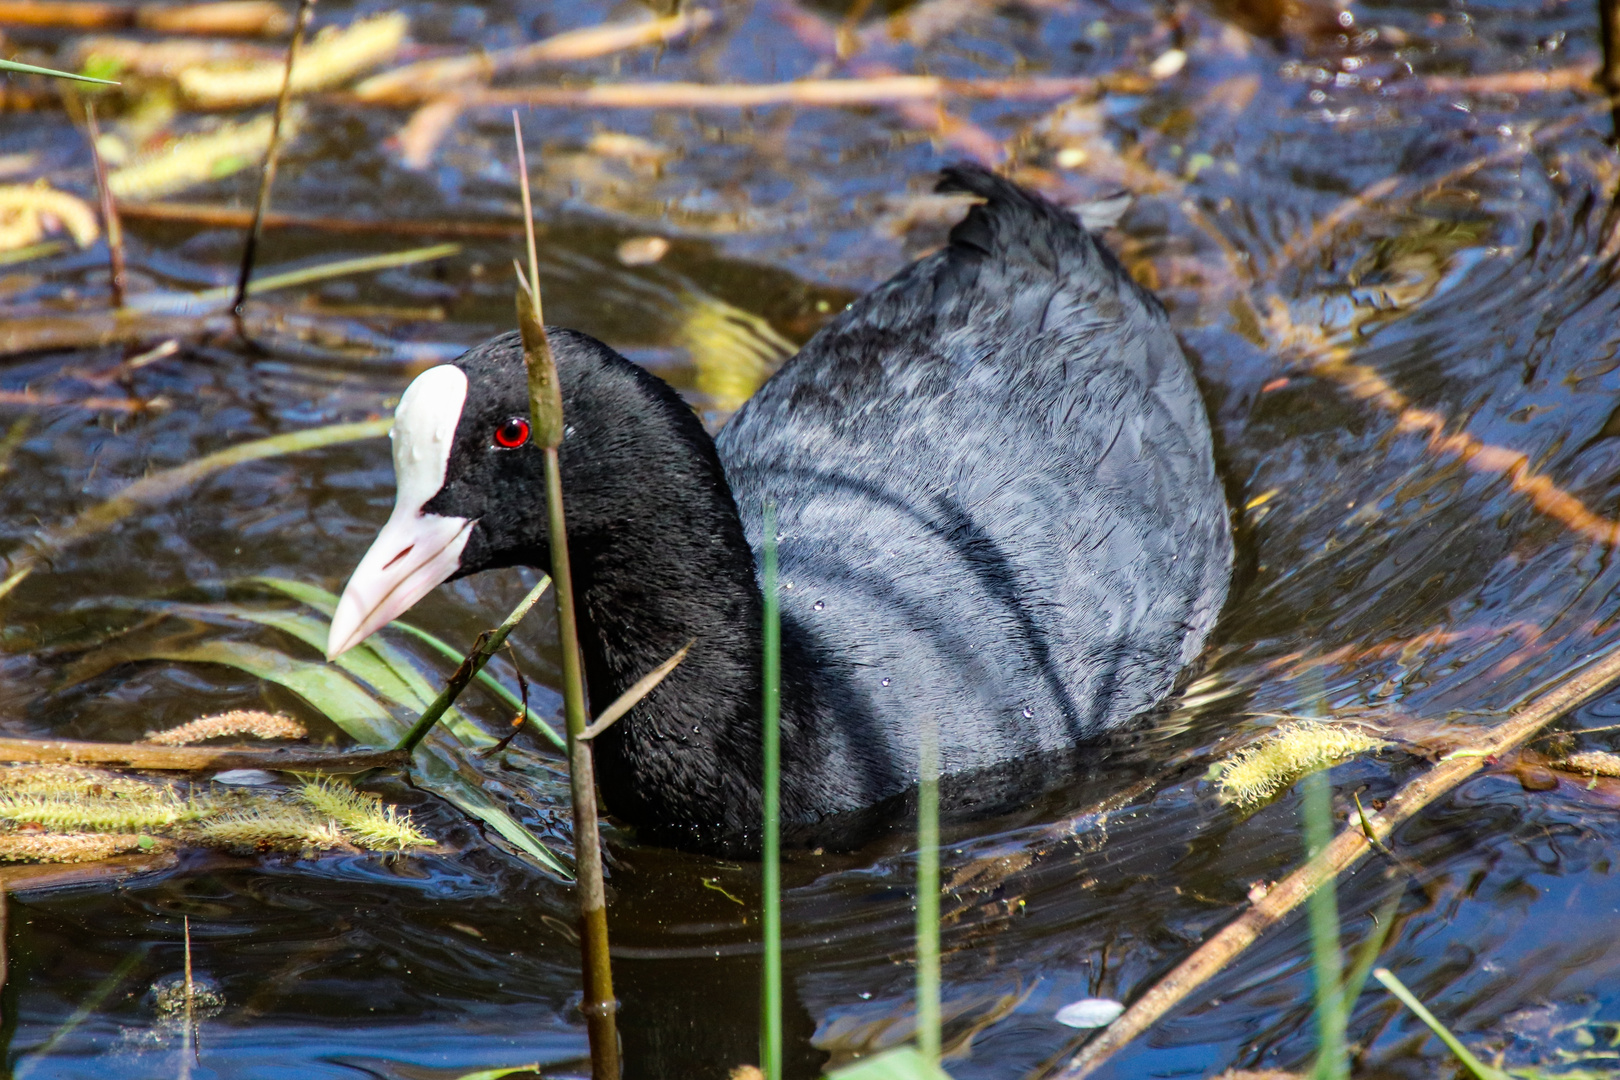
(1264, 769)
(243, 17)
(197, 159)
(255, 722)
(415, 83)
(28, 210)
(336, 55)
(826, 93)
(74, 847)
(1345, 850)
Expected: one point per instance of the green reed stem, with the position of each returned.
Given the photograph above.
(928, 1013)
(1324, 921)
(770, 1027)
(487, 645)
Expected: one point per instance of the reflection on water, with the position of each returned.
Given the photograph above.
(1399, 287)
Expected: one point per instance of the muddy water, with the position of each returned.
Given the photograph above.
(1372, 379)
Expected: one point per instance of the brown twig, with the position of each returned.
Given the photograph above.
(306, 9)
(245, 17)
(109, 207)
(194, 758)
(1579, 77)
(1348, 847)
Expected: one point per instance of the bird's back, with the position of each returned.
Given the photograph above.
(996, 502)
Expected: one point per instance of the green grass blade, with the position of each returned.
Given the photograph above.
(31, 69)
(496, 1074)
(928, 982)
(1327, 959)
(1480, 1070)
(770, 1027)
(901, 1063)
(326, 603)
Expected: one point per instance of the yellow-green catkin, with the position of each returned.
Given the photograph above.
(255, 722)
(1269, 767)
(368, 822)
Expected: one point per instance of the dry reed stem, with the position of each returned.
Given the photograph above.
(209, 216)
(820, 93)
(416, 83)
(255, 722)
(1346, 848)
(164, 59)
(109, 208)
(195, 758)
(231, 17)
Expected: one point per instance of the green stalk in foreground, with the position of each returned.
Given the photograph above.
(1324, 920)
(770, 1021)
(928, 1021)
(546, 414)
(488, 644)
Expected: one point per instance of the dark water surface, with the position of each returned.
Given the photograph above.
(1384, 568)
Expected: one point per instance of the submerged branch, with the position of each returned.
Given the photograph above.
(1346, 848)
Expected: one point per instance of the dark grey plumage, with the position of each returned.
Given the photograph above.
(997, 502)
(998, 513)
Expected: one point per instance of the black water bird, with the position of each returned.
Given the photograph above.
(997, 509)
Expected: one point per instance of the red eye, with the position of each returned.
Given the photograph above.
(512, 433)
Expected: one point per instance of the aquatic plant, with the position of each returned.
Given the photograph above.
(74, 781)
(363, 816)
(255, 722)
(1258, 772)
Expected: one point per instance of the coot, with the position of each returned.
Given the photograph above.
(997, 509)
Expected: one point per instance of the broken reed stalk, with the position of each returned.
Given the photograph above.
(928, 981)
(189, 1041)
(194, 758)
(1346, 848)
(109, 208)
(487, 645)
(250, 249)
(546, 416)
(638, 690)
(770, 1020)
